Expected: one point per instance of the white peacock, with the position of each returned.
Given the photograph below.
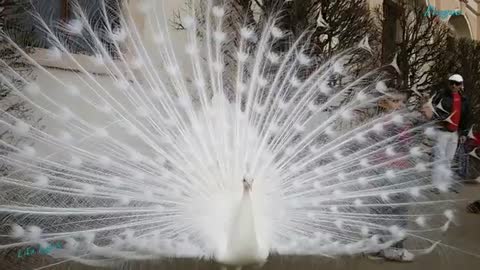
(192, 153)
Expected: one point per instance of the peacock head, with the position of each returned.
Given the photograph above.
(247, 184)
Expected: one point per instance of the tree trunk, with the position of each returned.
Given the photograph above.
(389, 33)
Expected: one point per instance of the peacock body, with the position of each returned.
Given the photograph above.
(213, 150)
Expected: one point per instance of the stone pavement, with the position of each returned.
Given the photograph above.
(465, 236)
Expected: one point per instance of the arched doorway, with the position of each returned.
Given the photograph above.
(460, 26)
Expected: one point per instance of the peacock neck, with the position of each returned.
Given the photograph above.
(243, 222)
(242, 243)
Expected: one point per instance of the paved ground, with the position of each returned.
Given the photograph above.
(465, 236)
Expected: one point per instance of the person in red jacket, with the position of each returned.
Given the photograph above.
(474, 207)
(473, 147)
(452, 111)
(476, 140)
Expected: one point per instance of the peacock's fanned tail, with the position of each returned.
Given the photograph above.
(148, 137)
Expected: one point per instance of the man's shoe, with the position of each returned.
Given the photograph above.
(397, 255)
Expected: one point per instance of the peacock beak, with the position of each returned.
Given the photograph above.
(247, 185)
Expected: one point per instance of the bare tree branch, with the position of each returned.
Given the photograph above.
(421, 43)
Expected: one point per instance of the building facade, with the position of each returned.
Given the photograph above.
(462, 15)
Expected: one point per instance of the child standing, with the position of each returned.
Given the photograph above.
(396, 252)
